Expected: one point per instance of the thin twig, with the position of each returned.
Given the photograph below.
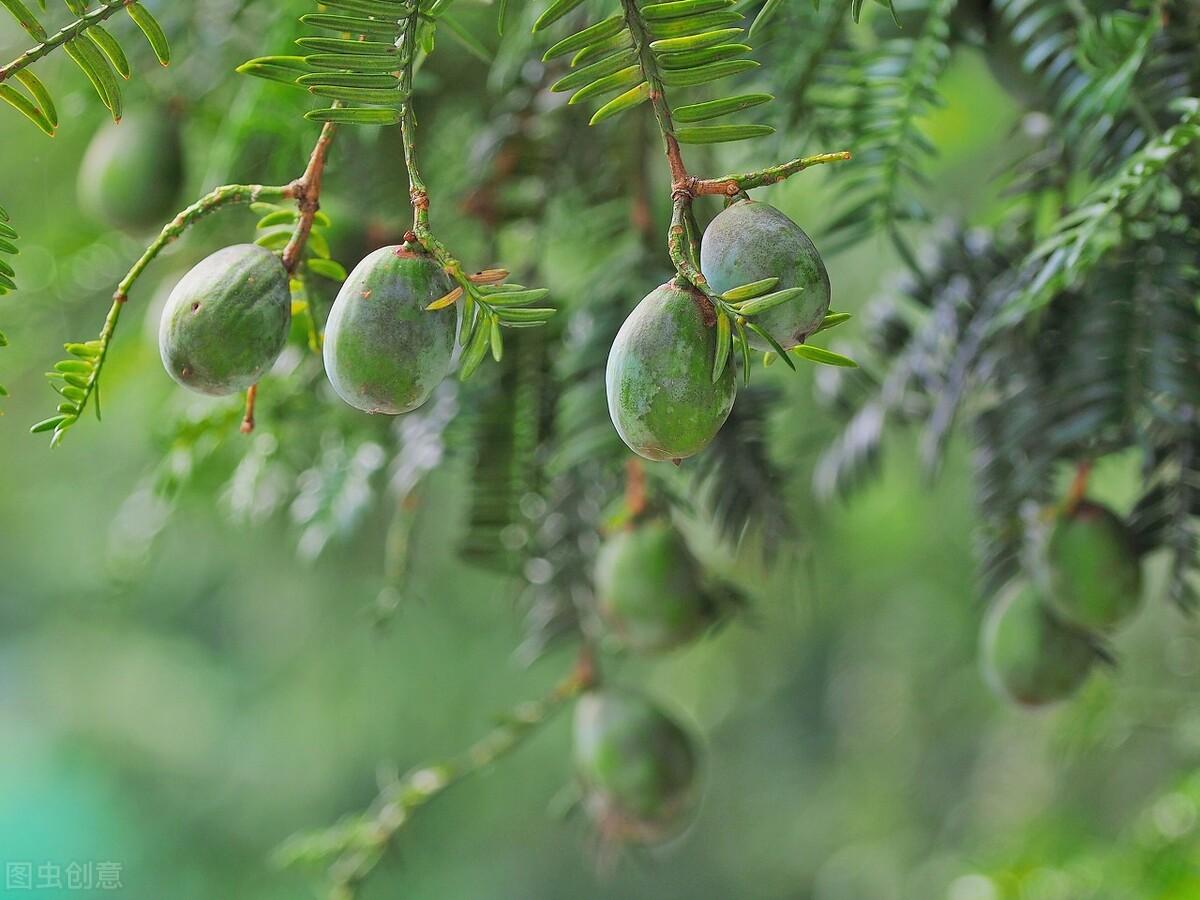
(1078, 489)
(307, 192)
(683, 238)
(729, 185)
(63, 36)
(248, 418)
(227, 195)
(358, 844)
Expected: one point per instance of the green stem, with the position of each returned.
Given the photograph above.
(732, 184)
(417, 191)
(684, 236)
(658, 96)
(67, 34)
(680, 243)
(228, 195)
(681, 246)
(358, 845)
(408, 130)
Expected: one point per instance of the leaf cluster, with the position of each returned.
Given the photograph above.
(678, 44)
(91, 46)
(358, 65)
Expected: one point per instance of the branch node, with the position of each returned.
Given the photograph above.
(685, 188)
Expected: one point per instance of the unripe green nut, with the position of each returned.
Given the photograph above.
(637, 767)
(384, 352)
(661, 396)
(749, 241)
(649, 594)
(1093, 578)
(226, 321)
(1030, 656)
(132, 172)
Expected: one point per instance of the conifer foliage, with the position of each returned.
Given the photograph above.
(1047, 343)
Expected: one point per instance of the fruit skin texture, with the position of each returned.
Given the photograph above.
(636, 765)
(1093, 578)
(661, 396)
(749, 241)
(648, 590)
(1030, 656)
(227, 320)
(132, 172)
(383, 352)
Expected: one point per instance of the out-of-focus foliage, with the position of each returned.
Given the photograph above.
(186, 612)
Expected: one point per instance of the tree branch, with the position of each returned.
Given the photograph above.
(307, 192)
(64, 36)
(358, 844)
(728, 185)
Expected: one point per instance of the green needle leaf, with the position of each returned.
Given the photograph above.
(746, 291)
(822, 356)
(622, 102)
(724, 344)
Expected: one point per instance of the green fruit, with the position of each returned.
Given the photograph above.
(1093, 578)
(227, 320)
(132, 172)
(1029, 655)
(661, 395)
(636, 766)
(648, 590)
(383, 352)
(749, 241)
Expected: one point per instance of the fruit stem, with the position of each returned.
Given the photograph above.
(1078, 488)
(248, 418)
(417, 191)
(635, 491)
(481, 313)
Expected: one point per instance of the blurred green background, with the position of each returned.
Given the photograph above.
(181, 701)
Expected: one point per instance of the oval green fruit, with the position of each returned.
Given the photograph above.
(636, 765)
(383, 352)
(133, 171)
(1093, 578)
(649, 595)
(1029, 655)
(227, 320)
(661, 395)
(749, 241)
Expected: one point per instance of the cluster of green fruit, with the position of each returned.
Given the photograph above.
(662, 394)
(1042, 637)
(637, 767)
(228, 319)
